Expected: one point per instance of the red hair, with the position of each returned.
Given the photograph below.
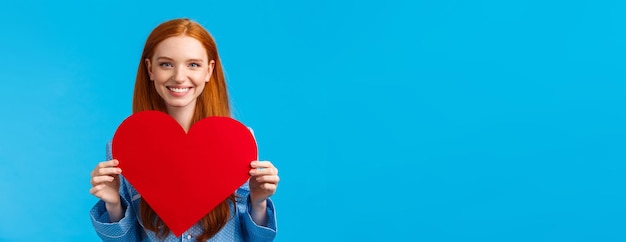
(213, 101)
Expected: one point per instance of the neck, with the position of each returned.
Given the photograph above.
(182, 115)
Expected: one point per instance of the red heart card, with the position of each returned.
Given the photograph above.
(183, 176)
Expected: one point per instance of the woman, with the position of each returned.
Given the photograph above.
(180, 73)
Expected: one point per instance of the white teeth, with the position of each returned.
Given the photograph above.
(173, 89)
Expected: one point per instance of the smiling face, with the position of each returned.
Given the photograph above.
(179, 69)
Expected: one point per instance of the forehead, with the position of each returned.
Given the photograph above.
(181, 47)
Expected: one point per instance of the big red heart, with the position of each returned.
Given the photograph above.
(183, 176)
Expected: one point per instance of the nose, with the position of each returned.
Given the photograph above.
(180, 75)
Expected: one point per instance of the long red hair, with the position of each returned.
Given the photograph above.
(213, 101)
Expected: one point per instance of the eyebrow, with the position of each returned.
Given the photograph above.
(189, 60)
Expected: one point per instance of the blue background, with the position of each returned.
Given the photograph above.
(438, 120)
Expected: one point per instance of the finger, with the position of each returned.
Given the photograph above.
(261, 164)
(100, 179)
(268, 179)
(99, 194)
(264, 172)
(109, 171)
(96, 189)
(108, 163)
(269, 187)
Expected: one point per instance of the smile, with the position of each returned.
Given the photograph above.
(179, 89)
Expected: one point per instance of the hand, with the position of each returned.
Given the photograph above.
(105, 182)
(263, 182)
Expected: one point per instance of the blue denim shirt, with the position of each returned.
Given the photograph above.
(240, 226)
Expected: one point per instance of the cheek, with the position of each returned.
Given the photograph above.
(201, 86)
(200, 79)
(160, 77)
(203, 77)
(156, 78)
(159, 83)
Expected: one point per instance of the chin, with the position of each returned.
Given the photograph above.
(178, 104)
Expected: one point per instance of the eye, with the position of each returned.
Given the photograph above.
(194, 65)
(165, 64)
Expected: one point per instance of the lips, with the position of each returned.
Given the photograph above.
(178, 89)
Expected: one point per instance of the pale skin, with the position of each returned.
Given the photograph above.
(179, 69)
